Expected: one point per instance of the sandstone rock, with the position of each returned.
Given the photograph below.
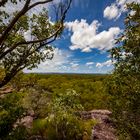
(104, 129)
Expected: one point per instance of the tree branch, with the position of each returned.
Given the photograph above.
(23, 61)
(35, 41)
(29, 42)
(21, 13)
(3, 2)
(15, 19)
(37, 3)
(66, 10)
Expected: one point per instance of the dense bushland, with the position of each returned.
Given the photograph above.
(90, 87)
(54, 102)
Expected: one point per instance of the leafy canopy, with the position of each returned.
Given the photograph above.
(26, 34)
(124, 85)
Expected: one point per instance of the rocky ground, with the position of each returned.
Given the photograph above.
(104, 130)
(5, 90)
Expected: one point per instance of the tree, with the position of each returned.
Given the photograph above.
(124, 86)
(19, 51)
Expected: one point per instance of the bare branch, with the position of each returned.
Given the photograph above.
(37, 3)
(66, 10)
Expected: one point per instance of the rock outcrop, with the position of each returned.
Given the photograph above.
(104, 129)
(5, 90)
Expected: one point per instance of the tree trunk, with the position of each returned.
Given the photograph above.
(5, 81)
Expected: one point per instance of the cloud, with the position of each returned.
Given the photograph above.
(111, 12)
(89, 63)
(57, 64)
(86, 36)
(108, 63)
(115, 10)
(74, 66)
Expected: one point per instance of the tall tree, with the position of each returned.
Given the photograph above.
(124, 86)
(26, 33)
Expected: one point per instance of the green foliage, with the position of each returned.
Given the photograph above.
(19, 133)
(63, 120)
(63, 116)
(10, 110)
(124, 84)
(37, 102)
(25, 36)
(57, 115)
(55, 103)
(90, 87)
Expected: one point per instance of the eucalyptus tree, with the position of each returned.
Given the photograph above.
(27, 32)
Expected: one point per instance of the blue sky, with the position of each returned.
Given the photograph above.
(91, 28)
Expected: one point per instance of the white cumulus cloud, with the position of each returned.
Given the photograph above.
(108, 63)
(57, 64)
(117, 8)
(86, 36)
(111, 12)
